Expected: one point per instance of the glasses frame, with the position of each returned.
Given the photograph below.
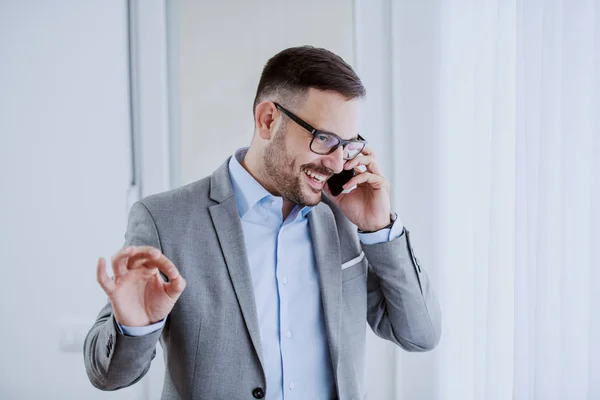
(314, 132)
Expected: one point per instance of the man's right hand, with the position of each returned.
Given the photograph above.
(138, 294)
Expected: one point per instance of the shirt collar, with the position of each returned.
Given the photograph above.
(247, 191)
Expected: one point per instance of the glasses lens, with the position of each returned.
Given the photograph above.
(352, 149)
(323, 143)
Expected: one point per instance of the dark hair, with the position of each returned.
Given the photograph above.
(291, 72)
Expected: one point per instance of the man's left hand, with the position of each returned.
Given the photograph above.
(368, 206)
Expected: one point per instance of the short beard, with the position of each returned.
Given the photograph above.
(280, 169)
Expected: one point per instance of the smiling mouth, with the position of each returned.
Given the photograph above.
(315, 177)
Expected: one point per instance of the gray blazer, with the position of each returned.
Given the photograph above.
(211, 340)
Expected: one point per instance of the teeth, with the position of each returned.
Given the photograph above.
(318, 177)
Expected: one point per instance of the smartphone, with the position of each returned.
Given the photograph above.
(336, 182)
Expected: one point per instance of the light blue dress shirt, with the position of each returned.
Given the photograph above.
(286, 290)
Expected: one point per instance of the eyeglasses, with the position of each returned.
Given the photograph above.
(324, 143)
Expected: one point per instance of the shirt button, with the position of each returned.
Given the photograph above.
(292, 386)
(288, 334)
(284, 281)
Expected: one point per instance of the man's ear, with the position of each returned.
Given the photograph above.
(264, 119)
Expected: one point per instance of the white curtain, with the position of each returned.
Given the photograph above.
(510, 124)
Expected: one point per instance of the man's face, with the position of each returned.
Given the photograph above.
(297, 173)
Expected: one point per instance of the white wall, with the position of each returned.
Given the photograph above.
(397, 46)
(218, 51)
(64, 175)
(223, 47)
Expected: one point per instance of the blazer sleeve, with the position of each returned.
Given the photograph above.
(113, 360)
(401, 304)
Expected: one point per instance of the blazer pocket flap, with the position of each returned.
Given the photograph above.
(354, 261)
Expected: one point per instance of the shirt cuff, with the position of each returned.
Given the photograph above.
(383, 235)
(140, 330)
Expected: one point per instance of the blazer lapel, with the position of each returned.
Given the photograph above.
(328, 258)
(228, 226)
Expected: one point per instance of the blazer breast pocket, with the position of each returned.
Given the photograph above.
(354, 267)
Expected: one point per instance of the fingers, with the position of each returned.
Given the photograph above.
(152, 257)
(368, 151)
(367, 158)
(368, 161)
(371, 176)
(374, 180)
(140, 260)
(107, 284)
(119, 261)
(175, 287)
(142, 256)
(133, 257)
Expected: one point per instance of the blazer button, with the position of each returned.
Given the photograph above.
(258, 393)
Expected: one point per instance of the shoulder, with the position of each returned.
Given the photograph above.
(194, 195)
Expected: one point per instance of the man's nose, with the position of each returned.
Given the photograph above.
(335, 161)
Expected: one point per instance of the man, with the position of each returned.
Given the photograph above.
(256, 280)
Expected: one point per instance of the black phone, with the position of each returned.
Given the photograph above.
(336, 181)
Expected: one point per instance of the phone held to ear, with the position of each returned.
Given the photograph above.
(336, 182)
